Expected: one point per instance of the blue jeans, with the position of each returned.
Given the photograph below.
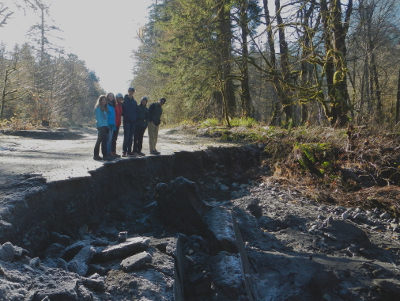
(114, 139)
(129, 131)
(109, 141)
(101, 140)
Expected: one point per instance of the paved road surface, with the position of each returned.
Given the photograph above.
(63, 159)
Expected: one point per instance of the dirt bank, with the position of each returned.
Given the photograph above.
(235, 231)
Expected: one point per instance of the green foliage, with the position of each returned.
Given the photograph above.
(60, 90)
(314, 157)
(243, 121)
(210, 122)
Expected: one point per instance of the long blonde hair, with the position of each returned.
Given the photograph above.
(99, 105)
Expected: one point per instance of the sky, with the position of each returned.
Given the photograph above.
(101, 33)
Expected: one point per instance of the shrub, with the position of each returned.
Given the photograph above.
(243, 121)
(210, 122)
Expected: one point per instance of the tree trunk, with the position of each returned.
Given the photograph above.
(306, 51)
(398, 101)
(335, 31)
(284, 58)
(276, 107)
(245, 93)
(224, 40)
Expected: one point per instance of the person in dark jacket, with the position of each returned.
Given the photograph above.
(155, 112)
(140, 127)
(129, 114)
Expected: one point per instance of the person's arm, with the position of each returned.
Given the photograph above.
(146, 116)
(98, 116)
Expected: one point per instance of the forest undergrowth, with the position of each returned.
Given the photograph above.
(356, 166)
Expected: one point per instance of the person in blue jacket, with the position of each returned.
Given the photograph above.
(129, 114)
(111, 121)
(101, 111)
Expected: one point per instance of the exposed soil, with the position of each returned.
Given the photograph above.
(317, 231)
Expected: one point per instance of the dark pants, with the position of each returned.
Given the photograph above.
(140, 128)
(129, 131)
(101, 139)
(114, 139)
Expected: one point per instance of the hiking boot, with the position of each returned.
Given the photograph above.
(141, 154)
(131, 154)
(114, 155)
(124, 154)
(97, 158)
(107, 158)
(155, 152)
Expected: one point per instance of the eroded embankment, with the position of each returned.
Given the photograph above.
(28, 217)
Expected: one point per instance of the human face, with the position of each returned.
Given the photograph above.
(119, 99)
(131, 92)
(161, 102)
(110, 97)
(144, 102)
(103, 101)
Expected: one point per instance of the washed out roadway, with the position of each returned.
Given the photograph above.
(62, 159)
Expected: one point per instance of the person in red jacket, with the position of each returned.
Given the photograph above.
(118, 114)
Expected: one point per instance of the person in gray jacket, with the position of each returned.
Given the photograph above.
(155, 112)
(141, 126)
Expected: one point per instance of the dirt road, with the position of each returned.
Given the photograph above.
(54, 158)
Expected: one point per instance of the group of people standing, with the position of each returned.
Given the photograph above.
(110, 110)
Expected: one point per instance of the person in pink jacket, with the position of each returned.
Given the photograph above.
(118, 114)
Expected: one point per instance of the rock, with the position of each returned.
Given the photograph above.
(55, 250)
(326, 297)
(345, 215)
(135, 262)
(20, 252)
(62, 286)
(223, 187)
(95, 282)
(179, 205)
(100, 243)
(79, 264)
(330, 236)
(61, 264)
(389, 288)
(385, 215)
(7, 252)
(122, 236)
(34, 262)
(63, 240)
(227, 275)
(359, 216)
(255, 208)
(73, 249)
(219, 221)
(130, 247)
